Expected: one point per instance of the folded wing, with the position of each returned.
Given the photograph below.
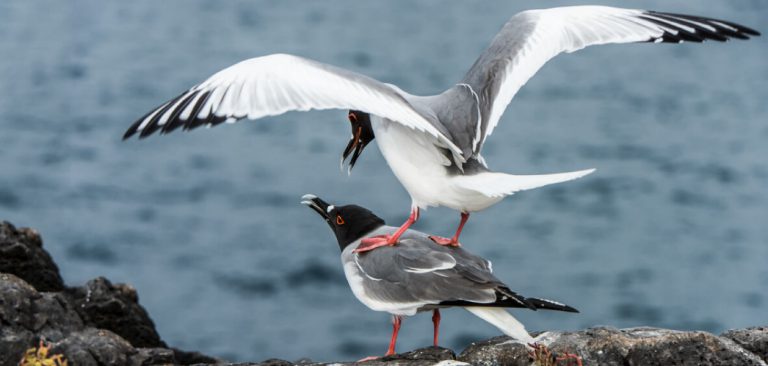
(418, 273)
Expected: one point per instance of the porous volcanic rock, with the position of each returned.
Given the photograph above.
(620, 347)
(22, 254)
(102, 323)
(753, 339)
(116, 308)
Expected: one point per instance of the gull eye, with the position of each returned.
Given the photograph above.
(339, 220)
(352, 117)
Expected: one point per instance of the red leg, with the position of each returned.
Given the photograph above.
(436, 322)
(387, 240)
(455, 240)
(396, 320)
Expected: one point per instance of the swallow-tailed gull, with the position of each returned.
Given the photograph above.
(432, 143)
(419, 275)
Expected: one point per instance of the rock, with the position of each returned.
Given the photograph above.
(116, 308)
(610, 346)
(753, 339)
(17, 297)
(427, 356)
(420, 357)
(192, 358)
(97, 324)
(13, 343)
(496, 351)
(158, 356)
(275, 362)
(27, 316)
(94, 347)
(22, 254)
(102, 323)
(669, 347)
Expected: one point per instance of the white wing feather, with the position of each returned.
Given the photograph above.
(531, 38)
(275, 84)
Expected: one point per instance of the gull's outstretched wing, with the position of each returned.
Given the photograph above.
(530, 38)
(275, 84)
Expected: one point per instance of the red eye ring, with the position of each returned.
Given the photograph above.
(339, 220)
(352, 117)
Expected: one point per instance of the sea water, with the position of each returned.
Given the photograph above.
(670, 231)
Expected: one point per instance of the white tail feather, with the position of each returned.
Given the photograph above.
(503, 320)
(494, 184)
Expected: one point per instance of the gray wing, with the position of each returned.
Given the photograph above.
(418, 271)
(529, 39)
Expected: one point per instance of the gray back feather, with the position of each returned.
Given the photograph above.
(419, 271)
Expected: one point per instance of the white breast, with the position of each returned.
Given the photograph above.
(420, 166)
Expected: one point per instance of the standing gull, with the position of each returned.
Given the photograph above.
(419, 275)
(432, 143)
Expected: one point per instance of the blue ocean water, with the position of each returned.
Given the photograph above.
(670, 231)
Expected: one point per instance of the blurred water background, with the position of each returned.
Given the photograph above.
(670, 231)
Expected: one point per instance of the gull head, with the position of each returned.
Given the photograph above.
(362, 135)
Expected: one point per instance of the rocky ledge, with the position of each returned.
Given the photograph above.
(101, 323)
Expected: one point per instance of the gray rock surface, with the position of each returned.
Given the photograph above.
(102, 323)
(99, 323)
(114, 307)
(753, 339)
(620, 347)
(22, 254)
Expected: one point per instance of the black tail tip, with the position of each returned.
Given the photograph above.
(551, 305)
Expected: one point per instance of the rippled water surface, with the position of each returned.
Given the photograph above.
(670, 231)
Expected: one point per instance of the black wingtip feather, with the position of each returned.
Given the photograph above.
(195, 111)
(135, 126)
(706, 33)
(682, 34)
(738, 27)
(724, 30)
(131, 130)
(153, 124)
(174, 121)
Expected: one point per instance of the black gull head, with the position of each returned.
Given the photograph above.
(349, 223)
(362, 135)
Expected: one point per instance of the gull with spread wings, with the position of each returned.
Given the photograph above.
(432, 143)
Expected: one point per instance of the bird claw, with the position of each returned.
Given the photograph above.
(445, 241)
(368, 244)
(369, 358)
(541, 355)
(568, 357)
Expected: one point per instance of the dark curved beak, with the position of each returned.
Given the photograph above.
(317, 204)
(354, 143)
(362, 134)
